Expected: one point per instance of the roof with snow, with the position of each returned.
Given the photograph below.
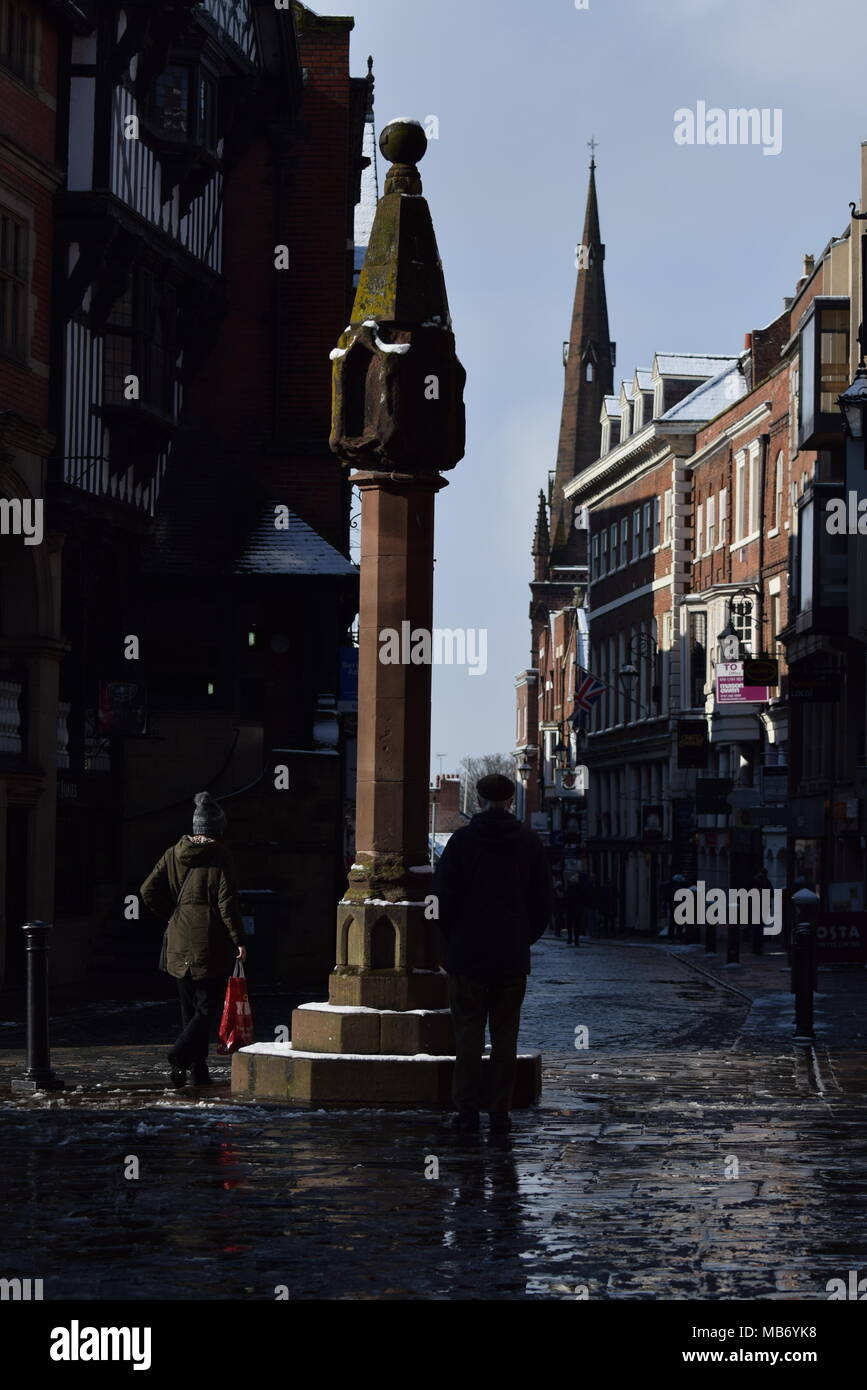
(689, 363)
(712, 397)
(295, 549)
(612, 405)
(644, 379)
(366, 208)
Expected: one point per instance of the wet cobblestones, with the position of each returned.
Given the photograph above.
(670, 1160)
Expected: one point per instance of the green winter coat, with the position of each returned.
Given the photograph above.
(205, 931)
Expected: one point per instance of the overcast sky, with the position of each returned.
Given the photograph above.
(702, 242)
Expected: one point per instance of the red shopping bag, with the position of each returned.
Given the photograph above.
(236, 1028)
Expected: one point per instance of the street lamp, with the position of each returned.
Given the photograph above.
(642, 648)
(731, 646)
(561, 753)
(853, 404)
(628, 678)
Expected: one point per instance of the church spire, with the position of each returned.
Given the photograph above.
(589, 379)
(541, 540)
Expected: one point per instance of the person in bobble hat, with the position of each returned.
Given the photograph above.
(495, 896)
(193, 885)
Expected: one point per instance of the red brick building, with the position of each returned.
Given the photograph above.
(178, 186)
(725, 616)
(33, 40)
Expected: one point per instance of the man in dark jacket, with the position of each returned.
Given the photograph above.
(193, 885)
(495, 898)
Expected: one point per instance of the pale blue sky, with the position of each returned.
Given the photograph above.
(702, 242)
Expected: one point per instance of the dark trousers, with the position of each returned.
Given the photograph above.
(200, 1001)
(476, 1005)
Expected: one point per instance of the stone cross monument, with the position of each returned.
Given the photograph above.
(398, 420)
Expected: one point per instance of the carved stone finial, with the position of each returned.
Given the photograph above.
(405, 144)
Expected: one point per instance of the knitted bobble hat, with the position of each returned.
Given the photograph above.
(208, 818)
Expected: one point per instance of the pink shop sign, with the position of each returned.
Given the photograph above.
(730, 688)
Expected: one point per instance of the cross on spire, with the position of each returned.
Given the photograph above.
(592, 145)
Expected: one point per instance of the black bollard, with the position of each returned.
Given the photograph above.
(802, 982)
(38, 1075)
(733, 944)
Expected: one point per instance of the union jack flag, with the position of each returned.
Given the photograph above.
(588, 689)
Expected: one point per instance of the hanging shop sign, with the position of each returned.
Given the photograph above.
(693, 743)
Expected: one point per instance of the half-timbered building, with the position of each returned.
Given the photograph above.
(205, 264)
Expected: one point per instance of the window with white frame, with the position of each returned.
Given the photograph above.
(594, 558)
(657, 522)
(624, 542)
(756, 500)
(636, 533)
(603, 554)
(615, 533)
(742, 499)
(710, 523)
(648, 523)
(699, 531)
(742, 615)
(669, 517)
(779, 475)
(723, 516)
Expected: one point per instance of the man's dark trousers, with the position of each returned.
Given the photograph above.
(199, 1000)
(474, 1004)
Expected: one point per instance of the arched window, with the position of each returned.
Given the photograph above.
(588, 372)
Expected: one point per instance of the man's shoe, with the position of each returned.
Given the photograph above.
(466, 1122)
(501, 1123)
(201, 1075)
(178, 1078)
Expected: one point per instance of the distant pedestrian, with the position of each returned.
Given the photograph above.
(193, 885)
(667, 893)
(558, 913)
(608, 908)
(495, 897)
(762, 881)
(575, 905)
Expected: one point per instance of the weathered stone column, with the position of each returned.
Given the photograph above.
(398, 421)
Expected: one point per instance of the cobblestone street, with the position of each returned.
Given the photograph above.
(689, 1152)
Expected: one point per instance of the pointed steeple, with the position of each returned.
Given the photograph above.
(541, 540)
(589, 379)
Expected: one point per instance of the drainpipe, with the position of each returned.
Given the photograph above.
(763, 480)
